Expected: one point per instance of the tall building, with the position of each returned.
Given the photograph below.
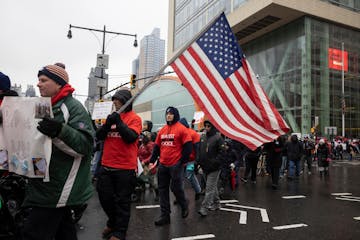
(97, 78)
(295, 47)
(30, 91)
(151, 57)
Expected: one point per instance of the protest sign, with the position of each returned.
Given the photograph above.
(102, 110)
(26, 150)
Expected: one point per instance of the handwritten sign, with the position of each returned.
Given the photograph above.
(102, 110)
(25, 150)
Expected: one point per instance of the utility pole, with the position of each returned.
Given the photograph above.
(102, 60)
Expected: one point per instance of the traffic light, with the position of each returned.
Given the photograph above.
(132, 81)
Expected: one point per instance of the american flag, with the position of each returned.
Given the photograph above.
(215, 71)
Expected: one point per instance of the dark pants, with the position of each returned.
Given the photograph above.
(275, 172)
(171, 177)
(49, 224)
(251, 165)
(114, 189)
(308, 160)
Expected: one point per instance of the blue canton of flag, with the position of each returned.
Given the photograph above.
(220, 46)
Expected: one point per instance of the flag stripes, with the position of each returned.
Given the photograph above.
(221, 81)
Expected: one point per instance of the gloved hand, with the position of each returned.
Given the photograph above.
(50, 127)
(114, 118)
(232, 166)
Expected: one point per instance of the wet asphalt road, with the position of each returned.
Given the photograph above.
(308, 208)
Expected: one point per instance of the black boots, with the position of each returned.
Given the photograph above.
(163, 220)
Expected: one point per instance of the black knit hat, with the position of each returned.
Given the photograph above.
(4, 82)
(123, 95)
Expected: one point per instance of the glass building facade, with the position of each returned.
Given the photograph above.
(292, 64)
(152, 103)
(292, 61)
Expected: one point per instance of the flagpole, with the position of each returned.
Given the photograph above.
(132, 99)
(342, 90)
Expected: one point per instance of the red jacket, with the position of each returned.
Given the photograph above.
(145, 151)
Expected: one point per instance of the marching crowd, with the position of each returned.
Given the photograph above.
(175, 153)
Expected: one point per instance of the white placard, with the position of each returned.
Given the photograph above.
(102, 110)
(28, 150)
(198, 116)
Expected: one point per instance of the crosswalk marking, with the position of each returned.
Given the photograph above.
(348, 199)
(229, 201)
(243, 214)
(147, 206)
(341, 194)
(294, 197)
(205, 236)
(290, 226)
(263, 212)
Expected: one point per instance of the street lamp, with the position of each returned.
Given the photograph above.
(69, 36)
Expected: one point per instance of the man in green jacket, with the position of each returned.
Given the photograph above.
(69, 170)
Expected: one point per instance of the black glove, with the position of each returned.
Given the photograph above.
(114, 118)
(49, 127)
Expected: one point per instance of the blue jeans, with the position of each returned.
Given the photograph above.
(190, 176)
(283, 165)
(294, 168)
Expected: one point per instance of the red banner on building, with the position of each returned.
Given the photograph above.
(335, 59)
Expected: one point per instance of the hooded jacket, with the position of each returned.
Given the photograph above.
(210, 150)
(173, 142)
(294, 149)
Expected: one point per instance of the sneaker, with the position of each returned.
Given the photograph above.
(243, 180)
(203, 212)
(215, 207)
(163, 220)
(309, 172)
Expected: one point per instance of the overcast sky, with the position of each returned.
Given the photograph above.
(33, 34)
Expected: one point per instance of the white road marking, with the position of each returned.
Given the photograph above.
(229, 201)
(357, 218)
(353, 197)
(294, 197)
(243, 214)
(341, 194)
(290, 226)
(147, 206)
(347, 199)
(263, 212)
(205, 236)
